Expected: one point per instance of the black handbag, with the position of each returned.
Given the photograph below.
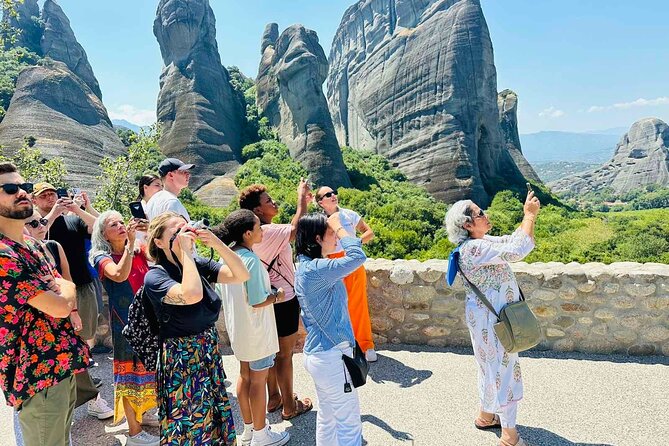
(357, 366)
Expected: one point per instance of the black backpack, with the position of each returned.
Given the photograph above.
(142, 330)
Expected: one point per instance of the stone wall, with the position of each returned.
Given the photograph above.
(593, 308)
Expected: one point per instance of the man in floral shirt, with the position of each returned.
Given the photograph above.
(39, 351)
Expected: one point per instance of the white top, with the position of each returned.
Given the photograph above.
(349, 220)
(252, 331)
(164, 201)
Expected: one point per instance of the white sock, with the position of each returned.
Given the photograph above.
(248, 427)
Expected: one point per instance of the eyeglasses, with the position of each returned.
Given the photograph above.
(35, 223)
(481, 214)
(13, 189)
(329, 194)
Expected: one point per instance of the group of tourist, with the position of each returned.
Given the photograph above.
(55, 246)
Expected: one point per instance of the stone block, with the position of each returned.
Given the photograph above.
(445, 305)
(641, 350)
(381, 323)
(625, 336)
(419, 297)
(401, 274)
(397, 314)
(604, 314)
(437, 342)
(595, 299)
(375, 282)
(640, 289)
(544, 311)
(656, 334)
(598, 346)
(430, 275)
(395, 341)
(587, 286)
(611, 288)
(665, 349)
(448, 321)
(624, 302)
(379, 339)
(392, 293)
(434, 331)
(564, 321)
(564, 345)
(632, 321)
(552, 283)
(413, 338)
(419, 317)
(658, 303)
(568, 293)
(586, 320)
(554, 333)
(542, 294)
(574, 308)
(410, 327)
(377, 304)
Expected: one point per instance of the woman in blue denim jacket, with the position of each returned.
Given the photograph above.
(323, 299)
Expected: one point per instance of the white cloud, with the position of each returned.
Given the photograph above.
(551, 112)
(641, 102)
(133, 115)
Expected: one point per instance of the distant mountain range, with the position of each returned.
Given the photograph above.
(594, 147)
(128, 125)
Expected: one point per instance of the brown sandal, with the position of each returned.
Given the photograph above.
(274, 408)
(300, 408)
(485, 425)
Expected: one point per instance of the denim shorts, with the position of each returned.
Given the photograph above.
(262, 364)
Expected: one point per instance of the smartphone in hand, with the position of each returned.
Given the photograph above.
(136, 210)
(61, 192)
(529, 187)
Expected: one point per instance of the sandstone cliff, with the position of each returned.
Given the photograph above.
(507, 103)
(415, 80)
(641, 158)
(289, 92)
(65, 117)
(59, 43)
(202, 117)
(27, 20)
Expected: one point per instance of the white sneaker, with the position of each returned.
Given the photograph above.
(245, 438)
(150, 419)
(100, 409)
(143, 439)
(370, 355)
(266, 437)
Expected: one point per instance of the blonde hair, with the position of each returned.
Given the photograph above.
(156, 230)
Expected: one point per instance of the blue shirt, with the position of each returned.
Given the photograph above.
(323, 299)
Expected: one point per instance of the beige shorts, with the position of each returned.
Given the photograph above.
(87, 304)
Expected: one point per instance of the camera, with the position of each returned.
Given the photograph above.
(200, 224)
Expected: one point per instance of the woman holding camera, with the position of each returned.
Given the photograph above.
(320, 289)
(122, 269)
(484, 260)
(249, 318)
(192, 401)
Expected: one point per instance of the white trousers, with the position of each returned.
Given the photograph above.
(338, 422)
(508, 416)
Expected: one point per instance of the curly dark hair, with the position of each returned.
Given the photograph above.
(249, 198)
(235, 226)
(308, 227)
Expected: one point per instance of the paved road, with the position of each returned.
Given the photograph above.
(427, 397)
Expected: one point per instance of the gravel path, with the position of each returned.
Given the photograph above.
(423, 396)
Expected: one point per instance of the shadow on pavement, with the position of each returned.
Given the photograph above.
(397, 435)
(536, 354)
(389, 369)
(540, 436)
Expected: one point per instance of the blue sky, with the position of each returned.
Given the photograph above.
(577, 65)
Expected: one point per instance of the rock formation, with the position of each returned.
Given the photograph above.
(66, 118)
(27, 22)
(507, 103)
(59, 43)
(415, 80)
(641, 158)
(289, 92)
(202, 117)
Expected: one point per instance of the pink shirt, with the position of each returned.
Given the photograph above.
(276, 242)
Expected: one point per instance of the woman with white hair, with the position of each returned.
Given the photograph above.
(122, 269)
(484, 260)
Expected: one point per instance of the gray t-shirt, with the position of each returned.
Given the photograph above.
(164, 201)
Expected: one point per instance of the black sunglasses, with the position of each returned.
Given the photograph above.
(329, 194)
(35, 223)
(481, 214)
(12, 189)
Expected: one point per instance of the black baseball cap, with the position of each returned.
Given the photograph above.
(171, 164)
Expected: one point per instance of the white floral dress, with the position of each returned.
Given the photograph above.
(485, 262)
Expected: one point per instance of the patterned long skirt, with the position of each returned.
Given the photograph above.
(193, 404)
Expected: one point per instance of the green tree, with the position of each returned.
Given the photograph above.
(35, 167)
(12, 62)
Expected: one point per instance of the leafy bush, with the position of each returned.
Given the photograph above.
(35, 167)
(12, 62)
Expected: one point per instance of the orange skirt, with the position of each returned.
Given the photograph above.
(358, 308)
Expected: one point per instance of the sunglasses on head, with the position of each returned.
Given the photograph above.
(35, 223)
(329, 194)
(481, 213)
(12, 189)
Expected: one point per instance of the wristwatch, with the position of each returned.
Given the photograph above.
(129, 251)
